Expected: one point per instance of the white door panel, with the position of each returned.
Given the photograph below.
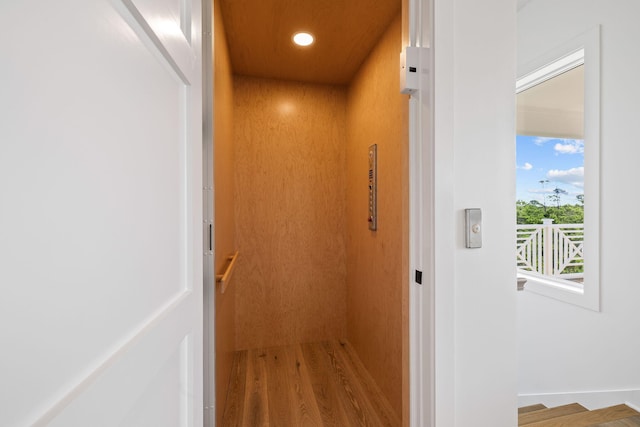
(100, 209)
(146, 382)
(145, 378)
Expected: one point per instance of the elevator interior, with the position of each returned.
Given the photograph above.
(293, 127)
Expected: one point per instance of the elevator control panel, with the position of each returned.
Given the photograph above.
(373, 186)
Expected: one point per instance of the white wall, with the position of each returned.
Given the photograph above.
(475, 290)
(564, 348)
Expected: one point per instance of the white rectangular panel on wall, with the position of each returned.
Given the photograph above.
(100, 214)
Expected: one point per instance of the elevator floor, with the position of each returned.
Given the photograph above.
(315, 384)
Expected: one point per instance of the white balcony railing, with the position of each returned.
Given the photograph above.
(551, 249)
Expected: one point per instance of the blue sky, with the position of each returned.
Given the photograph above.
(557, 162)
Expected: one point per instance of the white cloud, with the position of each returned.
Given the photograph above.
(573, 176)
(527, 166)
(541, 140)
(569, 146)
(540, 190)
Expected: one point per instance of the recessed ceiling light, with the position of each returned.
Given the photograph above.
(302, 39)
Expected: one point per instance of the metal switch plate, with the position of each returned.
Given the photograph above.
(473, 228)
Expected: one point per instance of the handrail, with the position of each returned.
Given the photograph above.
(223, 279)
(551, 249)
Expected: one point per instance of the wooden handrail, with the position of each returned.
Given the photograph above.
(223, 279)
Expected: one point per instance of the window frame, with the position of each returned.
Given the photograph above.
(586, 295)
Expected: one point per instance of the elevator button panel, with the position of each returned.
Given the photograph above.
(373, 186)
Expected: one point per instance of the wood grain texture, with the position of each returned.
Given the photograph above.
(224, 211)
(233, 407)
(260, 37)
(589, 418)
(546, 414)
(531, 408)
(313, 384)
(379, 403)
(625, 422)
(290, 202)
(279, 384)
(256, 401)
(325, 388)
(377, 262)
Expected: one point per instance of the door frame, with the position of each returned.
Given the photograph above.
(419, 25)
(208, 209)
(418, 14)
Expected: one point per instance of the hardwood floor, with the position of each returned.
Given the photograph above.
(314, 384)
(574, 415)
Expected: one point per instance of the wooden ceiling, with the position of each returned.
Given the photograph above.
(259, 35)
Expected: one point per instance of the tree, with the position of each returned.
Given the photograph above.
(555, 197)
(533, 212)
(544, 196)
(529, 213)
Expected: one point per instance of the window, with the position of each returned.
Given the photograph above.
(558, 173)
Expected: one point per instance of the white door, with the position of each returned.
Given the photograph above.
(100, 213)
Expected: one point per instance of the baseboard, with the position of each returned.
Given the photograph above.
(634, 401)
(589, 399)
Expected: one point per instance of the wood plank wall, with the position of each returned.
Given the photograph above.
(377, 262)
(224, 209)
(290, 209)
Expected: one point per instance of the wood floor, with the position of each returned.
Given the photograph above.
(575, 415)
(316, 384)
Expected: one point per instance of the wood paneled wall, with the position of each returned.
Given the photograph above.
(224, 208)
(290, 209)
(377, 261)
